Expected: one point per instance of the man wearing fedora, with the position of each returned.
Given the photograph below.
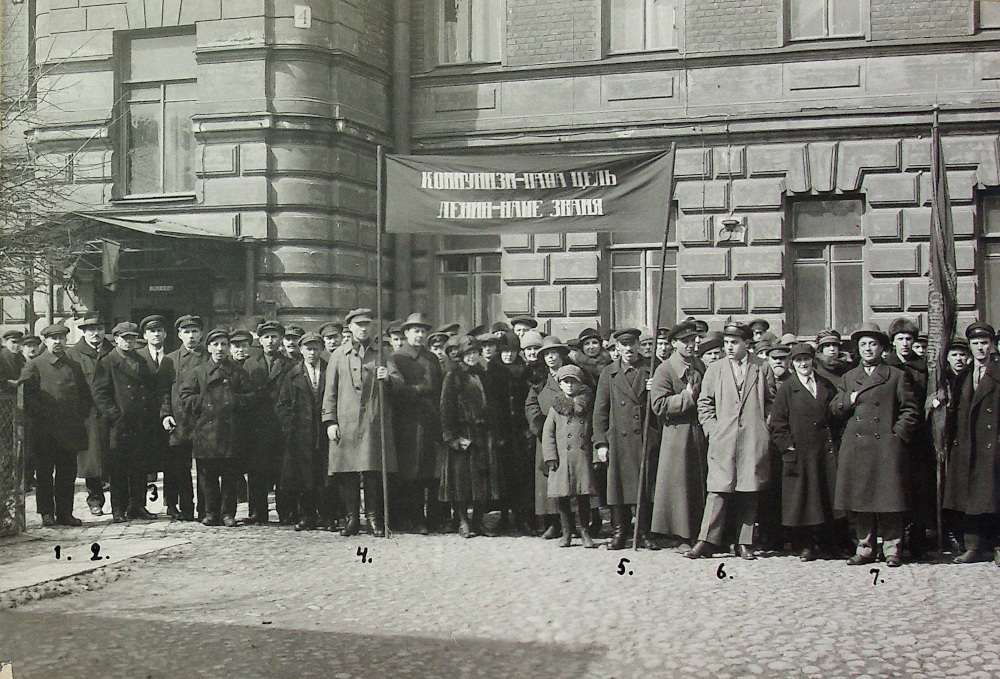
(351, 403)
(127, 394)
(972, 485)
(178, 491)
(735, 398)
(57, 398)
(877, 403)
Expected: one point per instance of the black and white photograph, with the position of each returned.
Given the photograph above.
(499, 339)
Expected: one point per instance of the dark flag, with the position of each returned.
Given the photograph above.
(942, 304)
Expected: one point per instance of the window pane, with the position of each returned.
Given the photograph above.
(167, 57)
(470, 242)
(489, 263)
(847, 253)
(807, 20)
(991, 213)
(653, 257)
(455, 31)
(178, 167)
(454, 264)
(809, 291)
(989, 14)
(663, 24)
(845, 17)
(456, 301)
(991, 283)
(810, 252)
(668, 303)
(827, 219)
(627, 26)
(632, 258)
(489, 299)
(143, 161)
(626, 299)
(848, 280)
(487, 28)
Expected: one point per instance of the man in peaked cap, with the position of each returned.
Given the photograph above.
(153, 330)
(178, 491)
(11, 361)
(332, 333)
(758, 327)
(31, 347)
(522, 324)
(57, 398)
(127, 393)
(920, 345)
(394, 333)
(290, 341)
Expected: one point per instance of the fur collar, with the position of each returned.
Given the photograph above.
(578, 405)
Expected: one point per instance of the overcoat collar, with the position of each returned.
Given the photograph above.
(636, 391)
(822, 390)
(864, 382)
(988, 383)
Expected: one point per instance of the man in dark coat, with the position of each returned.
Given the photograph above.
(216, 396)
(267, 373)
(127, 394)
(517, 468)
(972, 485)
(153, 330)
(94, 462)
(11, 361)
(619, 418)
(57, 398)
(332, 333)
(882, 413)
(178, 493)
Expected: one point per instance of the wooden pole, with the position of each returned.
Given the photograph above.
(379, 228)
(644, 464)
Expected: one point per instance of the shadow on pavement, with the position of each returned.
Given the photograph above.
(55, 645)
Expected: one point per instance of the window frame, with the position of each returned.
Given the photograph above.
(678, 46)
(983, 240)
(474, 277)
(125, 85)
(439, 32)
(864, 30)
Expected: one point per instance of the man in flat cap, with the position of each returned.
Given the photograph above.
(351, 403)
(290, 341)
(267, 373)
(332, 333)
(153, 329)
(736, 395)
(619, 419)
(127, 394)
(878, 405)
(57, 398)
(972, 485)
(758, 327)
(178, 493)
(679, 492)
(94, 462)
(11, 361)
(522, 324)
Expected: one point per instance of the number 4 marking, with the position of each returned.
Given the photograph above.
(303, 16)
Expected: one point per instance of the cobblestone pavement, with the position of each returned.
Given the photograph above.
(267, 601)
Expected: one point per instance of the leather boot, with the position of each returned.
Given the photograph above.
(596, 522)
(375, 526)
(566, 522)
(552, 528)
(618, 539)
(353, 525)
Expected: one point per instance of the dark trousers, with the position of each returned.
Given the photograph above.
(218, 479)
(95, 491)
(128, 484)
(178, 491)
(52, 458)
(259, 484)
(350, 492)
(980, 531)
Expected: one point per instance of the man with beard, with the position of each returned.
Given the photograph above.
(94, 462)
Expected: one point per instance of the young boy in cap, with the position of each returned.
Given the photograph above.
(57, 398)
(11, 361)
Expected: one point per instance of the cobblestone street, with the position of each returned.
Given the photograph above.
(267, 601)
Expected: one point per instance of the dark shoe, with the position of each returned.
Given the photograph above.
(971, 556)
(96, 511)
(701, 550)
(551, 533)
(807, 554)
(185, 516)
(618, 540)
(118, 518)
(421, 528)
(596, 523)
(858, 560)
(286, 521)
(211, 520)
(588, 542)
(255, 519)
(352, 527)
(228, 521)
(305, 524)
(646, 542)
(745, 552)
(48, 520)
(172, 512)
(69, 521)
(893, 561)
(140, 513)
(528, 529)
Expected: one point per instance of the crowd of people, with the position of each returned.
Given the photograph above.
(733, 440)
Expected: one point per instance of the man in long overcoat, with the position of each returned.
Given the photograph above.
(679, 494)
(619, 419)
(267, 371)
(127, 394)
(735, 398)
(12, 362)
(178, 493)
(94, 462)
(153, 329)
(882, 413)
(351, 403)
(57, 398)
(972, 485)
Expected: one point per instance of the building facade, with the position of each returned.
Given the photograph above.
(247, 129)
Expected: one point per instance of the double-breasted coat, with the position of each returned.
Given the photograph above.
(351, 400)
(619, 418)
(93, 461)
(57, 398)
(922, 461)
(734, 418)
(163, 371)
(128, 395)
(472, 474)
(11, 367)
(300, 409)
(176, 366)
(802, 431)
(415, 412)
(539, 401)
(972, 484)
(217, 398)
(679, 492)
(567, 440)
(518, 467)
(879, 425)
(266, 437)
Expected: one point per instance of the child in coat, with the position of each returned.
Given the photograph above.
(568, 452)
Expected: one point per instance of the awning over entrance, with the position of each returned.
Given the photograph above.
(157, 226)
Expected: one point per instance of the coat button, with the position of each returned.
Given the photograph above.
(858, 435)
(623, 402)
(876, 404)
(878, 436)
(876, 419)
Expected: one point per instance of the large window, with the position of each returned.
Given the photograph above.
(827, 286)
(635, 278)
(989, 14)
(469, 280)
(159, 99)
(471, 31)
(643, 25)
(989, 253)
(815, 19)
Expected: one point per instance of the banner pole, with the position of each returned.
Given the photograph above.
(644, 463)
(379, 228)
(937, 418)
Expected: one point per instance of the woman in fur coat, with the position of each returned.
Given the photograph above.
(568, 451)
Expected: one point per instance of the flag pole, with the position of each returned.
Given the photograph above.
(379, 228)
(644, 463)
(935, 415)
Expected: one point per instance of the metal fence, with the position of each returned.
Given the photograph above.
(12, 459)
